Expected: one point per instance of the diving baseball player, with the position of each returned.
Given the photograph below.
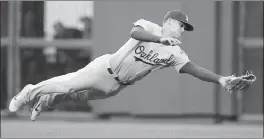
(149, 49)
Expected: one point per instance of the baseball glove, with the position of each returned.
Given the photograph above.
(241, 82)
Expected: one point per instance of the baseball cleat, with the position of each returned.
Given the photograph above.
(21, 99)
(38, 107)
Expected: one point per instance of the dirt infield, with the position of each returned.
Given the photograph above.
(115, 129)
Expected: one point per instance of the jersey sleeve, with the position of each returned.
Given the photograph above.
(147, 25)
(180, 60)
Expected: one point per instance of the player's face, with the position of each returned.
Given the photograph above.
(173, 28)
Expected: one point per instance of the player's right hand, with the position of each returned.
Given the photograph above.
(169, 41)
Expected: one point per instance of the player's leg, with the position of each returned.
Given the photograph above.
(28, 87)
(51, 100)
(81, 80)
(23, 97)
(92, 76)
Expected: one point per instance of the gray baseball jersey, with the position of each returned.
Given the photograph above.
(136, 59)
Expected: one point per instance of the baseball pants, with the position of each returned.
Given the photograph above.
(94, 81)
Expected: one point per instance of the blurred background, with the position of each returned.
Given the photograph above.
(43, 39)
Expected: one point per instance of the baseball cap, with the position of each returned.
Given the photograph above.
(180, 16)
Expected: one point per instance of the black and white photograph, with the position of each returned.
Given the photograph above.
(132, 69)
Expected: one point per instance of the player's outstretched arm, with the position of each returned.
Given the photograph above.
(204, 74)
(139, 33)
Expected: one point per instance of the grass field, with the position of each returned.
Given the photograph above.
(125, 129)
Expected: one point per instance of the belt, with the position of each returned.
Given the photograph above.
(117, 79)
